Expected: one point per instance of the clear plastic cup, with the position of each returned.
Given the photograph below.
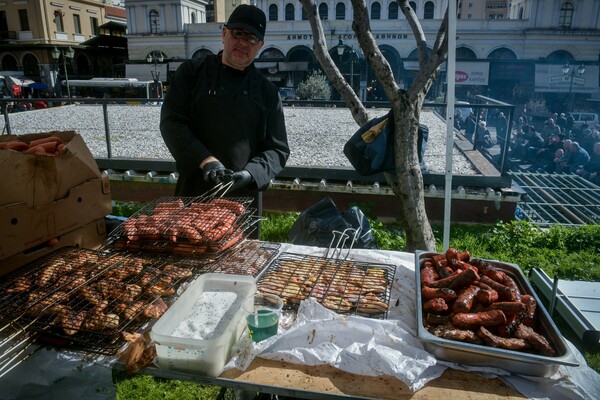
(263, 311)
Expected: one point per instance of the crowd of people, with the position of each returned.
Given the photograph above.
(558, 148)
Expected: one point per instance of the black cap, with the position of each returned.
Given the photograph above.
(250, 18)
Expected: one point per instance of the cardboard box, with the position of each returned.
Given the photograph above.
(38, 180)
(89, 236)
(23, 227)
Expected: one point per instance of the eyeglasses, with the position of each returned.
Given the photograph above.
(249, 37)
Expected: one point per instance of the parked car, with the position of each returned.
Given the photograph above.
(464, 107)
(288, 93)
(580, 118)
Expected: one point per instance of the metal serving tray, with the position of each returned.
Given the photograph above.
(517, 362)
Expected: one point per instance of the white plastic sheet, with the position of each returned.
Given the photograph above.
(353, 344)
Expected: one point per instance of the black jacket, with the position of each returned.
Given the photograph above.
(235, 116)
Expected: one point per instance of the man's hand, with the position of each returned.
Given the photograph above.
(240, 179)
(215, 172)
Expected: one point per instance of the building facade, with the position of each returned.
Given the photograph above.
(33, 32)
(510, 50)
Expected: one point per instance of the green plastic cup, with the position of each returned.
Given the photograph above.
(263, 311)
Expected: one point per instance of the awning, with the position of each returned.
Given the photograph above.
(37, 85)
(265, 64)
(22, 81)
(293, 66)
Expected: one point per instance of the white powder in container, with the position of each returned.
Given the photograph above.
(208, 317)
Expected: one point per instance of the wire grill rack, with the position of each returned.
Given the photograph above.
(84, 299)
(199, 226)
(250, 258)
(341, 285)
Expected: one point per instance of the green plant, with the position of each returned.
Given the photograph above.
(126, 208)
(149, 388)
(315, 86)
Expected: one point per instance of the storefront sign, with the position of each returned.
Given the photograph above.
(472, 73)
(550, 78)
(467, 72)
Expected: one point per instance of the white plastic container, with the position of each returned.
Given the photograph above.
(206, 356)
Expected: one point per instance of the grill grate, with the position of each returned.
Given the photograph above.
(346, 287)
(250, 258)
(84, 299)
(563, 199)
(198, 226)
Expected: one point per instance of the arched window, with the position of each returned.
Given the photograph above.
(273, 12)
(464, 53)
(502, 53)
(290, 12)
(154, 21)
(521, 13)
(566, 15)
(304, 16)
(272, 54)
(9, 63)
(428, 10)
(340, 11)
(375, 10)
(323, 10)
(200, 54)
(393, 10)
(193, 17)
(30, 65)
(413, 5)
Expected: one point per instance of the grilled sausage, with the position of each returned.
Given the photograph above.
(435, 306)
(536, 340)
(504, 343)
(448, 295)
(486, 295)
(531, 304)
(458, 280)
(428, 274)
(504, 292)
(465, 300)
(484, 318)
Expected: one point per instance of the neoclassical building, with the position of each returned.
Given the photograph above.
(514, 51)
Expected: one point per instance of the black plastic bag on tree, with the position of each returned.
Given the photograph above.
(315, 226)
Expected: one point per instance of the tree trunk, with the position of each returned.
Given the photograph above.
(407, 181)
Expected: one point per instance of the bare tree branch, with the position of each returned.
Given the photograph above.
(359, 113)
(378, 63)
(413, 21)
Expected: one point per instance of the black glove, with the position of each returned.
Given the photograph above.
(240, 179)
(215, 172)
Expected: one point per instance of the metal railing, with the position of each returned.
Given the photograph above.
(6, 103)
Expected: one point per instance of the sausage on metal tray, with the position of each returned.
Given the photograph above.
(428, 274)
(536, 340)
(465, 300)
(504, 292)
(457, 280)
(435, 306)
(504, 343)
(448, 295)
(486, 295)
(514, 307)
(531, 304)
(484, 318)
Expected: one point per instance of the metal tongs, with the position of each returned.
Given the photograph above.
(340, 239)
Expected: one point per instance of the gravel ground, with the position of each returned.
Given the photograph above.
(316, 135)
